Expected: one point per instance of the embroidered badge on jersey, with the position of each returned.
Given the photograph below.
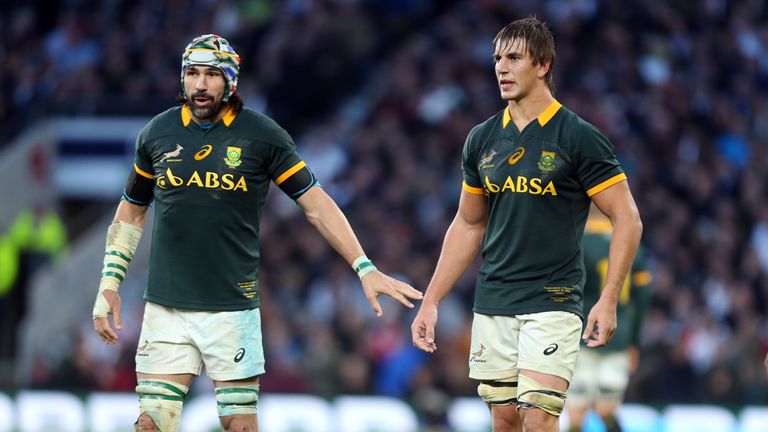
(233, 157)
(173, 155)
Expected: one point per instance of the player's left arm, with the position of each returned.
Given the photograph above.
(323, 213)
(617, 203)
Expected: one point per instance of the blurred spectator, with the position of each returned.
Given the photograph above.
(35, 238)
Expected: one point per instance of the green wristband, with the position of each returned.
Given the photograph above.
(362, 266)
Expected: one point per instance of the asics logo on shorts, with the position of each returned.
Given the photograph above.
(550, 349)
(239, 355)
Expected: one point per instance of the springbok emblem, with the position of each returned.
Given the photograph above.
(172, 154)
(477, 353)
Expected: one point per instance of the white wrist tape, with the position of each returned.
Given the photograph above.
(362, 266)
(122, 241)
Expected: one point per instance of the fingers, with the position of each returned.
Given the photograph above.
(601, 336)
(411, 292)
(402, 290)
(589, 329)
(375, 305)
(104, 330)
(397, 295)
(116, 316)
(596, 341)
(113, 298)
(429, 338)
(423, 338)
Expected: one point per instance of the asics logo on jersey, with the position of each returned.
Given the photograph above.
(239, 355)
(550, 349)
(521, 184)
(172, 154)
(206, 180)
(516, 156)
(204, 152)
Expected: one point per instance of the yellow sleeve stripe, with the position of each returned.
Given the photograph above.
(291, 171)
(142, 172)
(472, 189)
(642, 278)
(606, 184)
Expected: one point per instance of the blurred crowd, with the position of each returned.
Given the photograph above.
(380, 97)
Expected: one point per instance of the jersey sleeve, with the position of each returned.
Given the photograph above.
(472, 182)
(598, 168)
(139, 188)
(286, 168)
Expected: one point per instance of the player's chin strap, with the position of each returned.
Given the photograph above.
(122, 241)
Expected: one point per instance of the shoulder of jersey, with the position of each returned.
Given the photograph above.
(489, 126)
(162, 124)
(256, 124)
(250, 118)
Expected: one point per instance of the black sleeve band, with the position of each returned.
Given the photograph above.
(139, 190)
(295, 185)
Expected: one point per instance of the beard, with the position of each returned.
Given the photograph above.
(208, 112)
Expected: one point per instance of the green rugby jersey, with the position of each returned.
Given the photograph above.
(209, 191)
(538, 184)
(635, 294)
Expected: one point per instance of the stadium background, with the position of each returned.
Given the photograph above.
(379, 97)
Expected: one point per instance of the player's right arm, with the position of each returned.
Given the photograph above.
(460, 247)
(122, 240)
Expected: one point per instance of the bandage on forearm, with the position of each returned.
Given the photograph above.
(122, 241)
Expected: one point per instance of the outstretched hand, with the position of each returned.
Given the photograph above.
(601, 324)
(377, 283)
(101, 324)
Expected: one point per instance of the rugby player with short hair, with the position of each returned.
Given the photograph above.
(602, 374)
(207, 166)
(530, 174)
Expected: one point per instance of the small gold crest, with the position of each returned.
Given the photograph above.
(547, 161)
(233, 157)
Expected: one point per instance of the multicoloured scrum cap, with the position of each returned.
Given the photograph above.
(212, 50)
